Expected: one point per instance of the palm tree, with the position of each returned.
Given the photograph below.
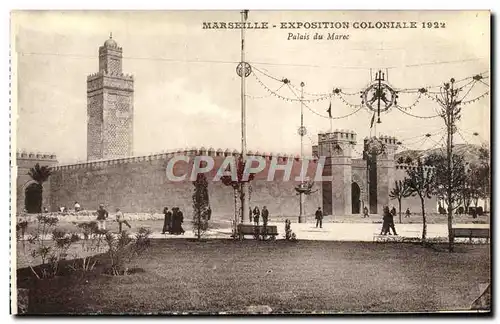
(40, 174)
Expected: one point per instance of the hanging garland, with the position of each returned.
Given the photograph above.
(475, 99)
(320, 115)
(412, 105)
(340, 94)
(421, 117)
(286, 82)
(265, 96)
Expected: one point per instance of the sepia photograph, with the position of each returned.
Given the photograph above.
(250, 162)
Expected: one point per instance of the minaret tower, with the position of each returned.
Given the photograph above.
(110, 106)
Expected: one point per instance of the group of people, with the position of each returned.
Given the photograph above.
(102, 216)
(388, 221)
(393, 212)
(173, 220)
(63, 209)
(257, 213)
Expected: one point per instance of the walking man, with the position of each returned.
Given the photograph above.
(121, 220)
(102, 214)
(319, 218)
(390, 221)
(385, 221)
(407, 212)
(365, 212)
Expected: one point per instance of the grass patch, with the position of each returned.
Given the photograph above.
(225, 275)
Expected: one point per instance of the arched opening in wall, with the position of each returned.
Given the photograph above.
(33, 198)
(355, 195)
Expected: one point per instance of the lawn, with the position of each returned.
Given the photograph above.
(223, 275)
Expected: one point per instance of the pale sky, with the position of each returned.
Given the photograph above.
(187, 93)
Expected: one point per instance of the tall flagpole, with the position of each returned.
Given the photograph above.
(244, 186)
(301, 133)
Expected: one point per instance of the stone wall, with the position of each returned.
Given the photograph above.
(140, 184)
(24, 162)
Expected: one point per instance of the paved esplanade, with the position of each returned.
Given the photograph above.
(355, 232)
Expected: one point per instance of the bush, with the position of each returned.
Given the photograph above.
(92, 242)
(51, 255)
(123, 248)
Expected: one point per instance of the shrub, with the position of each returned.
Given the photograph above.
(92, 242)
(123, 248)
(51, 255)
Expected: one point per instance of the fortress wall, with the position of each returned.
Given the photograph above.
(141, 185)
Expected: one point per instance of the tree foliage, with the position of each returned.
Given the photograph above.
(201, 205)
(420, 183)
(236, 183)
(400, 190)
(40, 174)
(442, 186)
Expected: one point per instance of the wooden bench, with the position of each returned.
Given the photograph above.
(246, 229)
(471, 233)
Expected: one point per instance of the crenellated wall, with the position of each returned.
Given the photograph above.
(140, 184)
(23, 163)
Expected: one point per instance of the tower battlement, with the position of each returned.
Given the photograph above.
(344, 135)
(120, 75)
(36, 156)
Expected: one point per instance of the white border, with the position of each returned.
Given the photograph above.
(186, 4)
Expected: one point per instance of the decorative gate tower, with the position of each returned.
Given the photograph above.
(337, 148)
(110, 106)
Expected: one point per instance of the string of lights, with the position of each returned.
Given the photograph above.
(442, 129)
(412, 115)
(468, 91)
(413, 104)
(265, 96)
(276, 94)
(348, 103)
(320, 115)
(437, 143)
(462, 136)
(474, 134)
(428, 88)
(475, 99)
(468, 83)
(420, 140)
(324, 95)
